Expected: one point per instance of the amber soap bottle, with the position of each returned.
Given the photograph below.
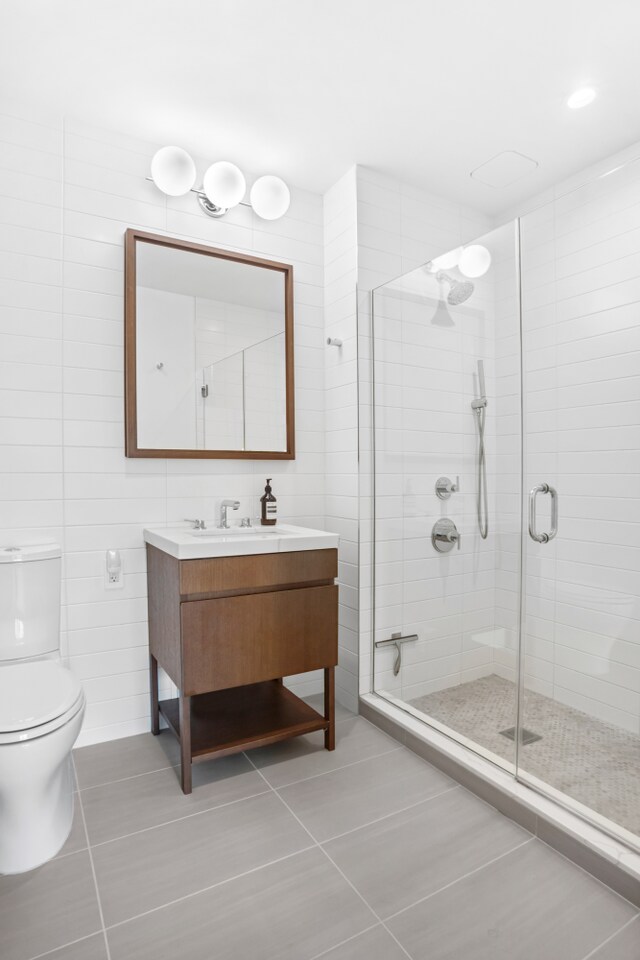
(269, 506)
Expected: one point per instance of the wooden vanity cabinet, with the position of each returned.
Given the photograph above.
(227, 630)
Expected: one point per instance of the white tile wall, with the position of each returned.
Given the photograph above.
(68, 192)
(424, 370)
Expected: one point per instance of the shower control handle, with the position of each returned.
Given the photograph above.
(445, 487)
(444, 535)
(533, 495)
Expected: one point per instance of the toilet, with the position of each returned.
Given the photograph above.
(41, 709)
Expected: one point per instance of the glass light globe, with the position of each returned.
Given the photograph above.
(224, 185)
(475, 261)
(270, 197)
(173, 171)
(446, 261)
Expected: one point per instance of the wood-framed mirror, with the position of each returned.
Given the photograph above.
(208, 352)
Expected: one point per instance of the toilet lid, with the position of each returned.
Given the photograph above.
(34, 693)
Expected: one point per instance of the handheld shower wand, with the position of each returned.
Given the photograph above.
(479, 407)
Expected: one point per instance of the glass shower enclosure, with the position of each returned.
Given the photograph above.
(506, 402)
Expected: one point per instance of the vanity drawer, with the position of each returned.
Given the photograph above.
(237, 640)
(226, 576)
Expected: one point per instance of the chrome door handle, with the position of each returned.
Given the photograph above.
(533, 533)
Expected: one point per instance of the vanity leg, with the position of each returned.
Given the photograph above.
(185, 743)
(153, 685)
(330, 708)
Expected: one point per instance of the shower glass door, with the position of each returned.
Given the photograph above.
(581, 603)
(523, 644)
(447, 563)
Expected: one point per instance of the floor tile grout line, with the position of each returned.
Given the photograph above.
(452, 883)
(318, 956)
(595, 950)
(70, 943)
(212, 886)
(188, 816)
(336, 867)
(95, 880)
(169, 766)
(387, 816)
(324, 773)
(367, 904)
(134, 776)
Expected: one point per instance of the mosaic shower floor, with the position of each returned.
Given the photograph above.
(594, 762)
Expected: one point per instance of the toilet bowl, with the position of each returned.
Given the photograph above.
(42, 706)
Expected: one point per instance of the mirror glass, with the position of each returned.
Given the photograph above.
(212, 343)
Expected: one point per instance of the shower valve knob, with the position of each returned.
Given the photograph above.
(445, 487)
(444, 535)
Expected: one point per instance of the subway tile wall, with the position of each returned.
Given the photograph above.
(422, 433)
(69, 191)
(581, 264)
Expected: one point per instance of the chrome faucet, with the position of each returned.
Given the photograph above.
(224, 506)
(197, 524)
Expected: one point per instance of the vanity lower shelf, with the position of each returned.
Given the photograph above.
(229, 721)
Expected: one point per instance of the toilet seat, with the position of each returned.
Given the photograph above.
(36, 698)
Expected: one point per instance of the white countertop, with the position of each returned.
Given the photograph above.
(185, 543)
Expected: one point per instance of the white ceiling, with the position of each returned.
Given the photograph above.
(423, 90)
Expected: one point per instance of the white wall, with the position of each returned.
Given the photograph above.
(68, 191)
(165, 352)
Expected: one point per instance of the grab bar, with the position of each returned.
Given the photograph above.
(533, 533)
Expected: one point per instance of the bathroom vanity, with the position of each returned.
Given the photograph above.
(231, 613)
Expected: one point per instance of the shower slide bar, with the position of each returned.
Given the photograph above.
(533, 495)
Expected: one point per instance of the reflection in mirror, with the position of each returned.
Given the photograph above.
(211, 352)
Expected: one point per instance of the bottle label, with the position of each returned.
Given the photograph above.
(272, 511)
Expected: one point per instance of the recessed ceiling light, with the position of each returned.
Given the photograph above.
(581, 98)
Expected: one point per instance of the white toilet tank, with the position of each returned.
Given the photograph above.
(29, 601)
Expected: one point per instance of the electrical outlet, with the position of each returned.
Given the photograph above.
(113, 579)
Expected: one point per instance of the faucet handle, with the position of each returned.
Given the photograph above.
(197, 524)
(246, 522)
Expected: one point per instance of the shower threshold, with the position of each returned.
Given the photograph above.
(599, 846)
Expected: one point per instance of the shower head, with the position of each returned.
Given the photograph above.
(460, 290)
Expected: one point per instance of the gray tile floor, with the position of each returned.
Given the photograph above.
(586, 758)
(294, 853)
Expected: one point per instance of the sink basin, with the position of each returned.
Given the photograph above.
(184, 543)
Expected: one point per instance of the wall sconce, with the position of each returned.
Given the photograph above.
(223, 185)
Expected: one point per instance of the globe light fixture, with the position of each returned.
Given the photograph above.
(270, 197)
(173, 171)
(474, 261)
(223, 186)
